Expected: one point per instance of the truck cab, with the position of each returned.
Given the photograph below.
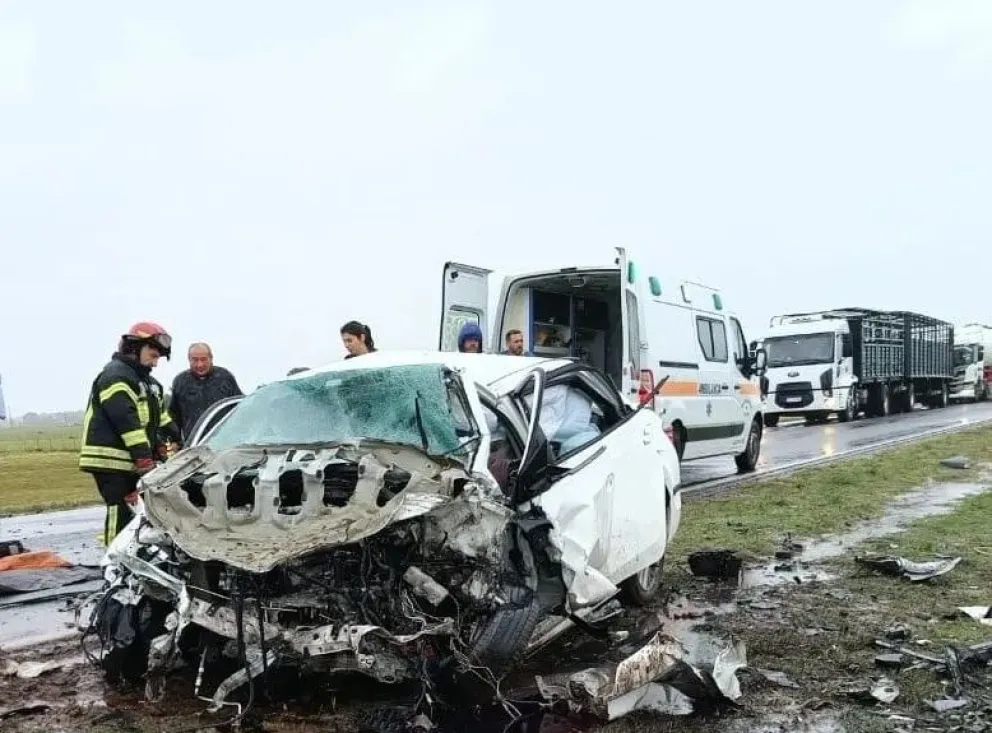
(810, 369)
(972, 363)
(669, 345)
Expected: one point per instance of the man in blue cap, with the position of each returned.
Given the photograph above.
(470, 338)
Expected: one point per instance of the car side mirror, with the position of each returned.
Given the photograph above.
(760, 362)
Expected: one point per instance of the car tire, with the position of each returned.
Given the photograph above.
(126, 633)
(771, 421)
(500, 639)
(643, 588)
(748, 460)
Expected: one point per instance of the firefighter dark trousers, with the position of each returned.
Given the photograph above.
(113, 487)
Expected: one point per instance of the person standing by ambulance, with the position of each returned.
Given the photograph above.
(125, 422)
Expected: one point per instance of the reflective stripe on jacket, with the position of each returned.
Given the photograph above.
(124, 414)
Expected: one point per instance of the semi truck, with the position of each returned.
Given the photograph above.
(972, 363)
(850, 361)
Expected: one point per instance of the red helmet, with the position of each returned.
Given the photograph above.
(151, 333)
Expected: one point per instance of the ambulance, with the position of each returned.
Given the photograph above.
(671, 344)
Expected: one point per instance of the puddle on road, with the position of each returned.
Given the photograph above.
(35, 624)
(931, 501)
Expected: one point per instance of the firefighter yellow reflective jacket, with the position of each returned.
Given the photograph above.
(125, 418)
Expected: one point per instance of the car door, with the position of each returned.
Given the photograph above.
(609, 504)
(464, 299)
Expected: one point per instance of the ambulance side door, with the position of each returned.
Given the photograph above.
(464, 299)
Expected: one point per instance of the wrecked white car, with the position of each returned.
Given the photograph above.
(403, 516)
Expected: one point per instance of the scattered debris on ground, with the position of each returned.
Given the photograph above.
(835, 650)
(909, 569)
(31, 571)
(981, 614)
(717, 564)
(960, 463)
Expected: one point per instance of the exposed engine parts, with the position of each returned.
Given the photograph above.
(329, 561)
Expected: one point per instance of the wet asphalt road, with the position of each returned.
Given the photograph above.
(791, 442)
(73, 534)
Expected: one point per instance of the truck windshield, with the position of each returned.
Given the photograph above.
(963, 355)
(807, 348)
(417, 405)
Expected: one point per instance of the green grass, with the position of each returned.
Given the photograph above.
(39, 481)
(39, 439)
(869, 603)
(930, 606)
(823, 500)
(855, 609)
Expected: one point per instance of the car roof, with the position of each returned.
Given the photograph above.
(489, 370)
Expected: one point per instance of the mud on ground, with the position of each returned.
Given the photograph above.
(810, 625)
(819, 635)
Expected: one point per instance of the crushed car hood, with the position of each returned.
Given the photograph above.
(256, 508)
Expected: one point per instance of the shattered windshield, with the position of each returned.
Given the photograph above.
(812, 348)
(416, 405)
(963, 355)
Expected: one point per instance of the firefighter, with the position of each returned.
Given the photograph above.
(125, 422)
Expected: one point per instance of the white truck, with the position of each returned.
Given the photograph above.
(972, 363)
(846, 361)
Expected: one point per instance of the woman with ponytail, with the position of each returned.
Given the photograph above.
(357, 339)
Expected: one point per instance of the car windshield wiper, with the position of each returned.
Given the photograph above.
(418, 415)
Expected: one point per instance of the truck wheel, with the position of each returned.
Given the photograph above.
(771, 421)
(850, 410)
(940, 400)
(884, 401)
(909, 398)
(748, 460)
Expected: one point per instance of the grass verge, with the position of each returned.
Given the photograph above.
(41, 481)
(822, 635)
(823, 500)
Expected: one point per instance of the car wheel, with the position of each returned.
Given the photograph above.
(126, 633)
(499, 639)
(748, 460)
(641, 589)
(771, 421)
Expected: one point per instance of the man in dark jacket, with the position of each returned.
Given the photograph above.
(126, 421)
(199, 387)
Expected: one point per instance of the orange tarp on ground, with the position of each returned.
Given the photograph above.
(39, 560)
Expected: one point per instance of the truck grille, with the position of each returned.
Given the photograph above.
(794, 394)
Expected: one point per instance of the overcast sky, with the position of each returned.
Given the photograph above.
(255, 177)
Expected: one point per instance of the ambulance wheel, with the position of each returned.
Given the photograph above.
(748, 460)
(678, 440)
